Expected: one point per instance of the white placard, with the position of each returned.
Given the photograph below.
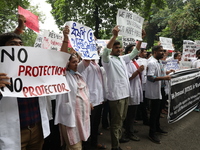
(33, 72)
(49, 40)
(126, 41)
(130, 24)
(82, 40)
(166, 43)
(189, 49)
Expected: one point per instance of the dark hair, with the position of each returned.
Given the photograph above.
(116, 43)
(198, 52)
(7, 37)
(129, 48)
(142, 50)
(156, 48)
(176, 54)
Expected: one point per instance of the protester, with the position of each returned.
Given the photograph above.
(136, 93)
(24, 121)
(118, 85)
(144, 105)
(73, 108)
(155, 85)
(94, 79)
(196, 64)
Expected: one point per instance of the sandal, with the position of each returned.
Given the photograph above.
(101, 146)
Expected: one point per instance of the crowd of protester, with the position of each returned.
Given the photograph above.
(112, 90)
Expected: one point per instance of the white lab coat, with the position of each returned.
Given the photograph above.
(136, 86)
(95, 85)
(143, 61)
(65, 103)
(153, 89)
(10, 125)
(117, 75)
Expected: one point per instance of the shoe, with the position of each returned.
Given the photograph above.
(154, 139)
(101, 146)
(162, 131)
(134, 137)
(124, 140)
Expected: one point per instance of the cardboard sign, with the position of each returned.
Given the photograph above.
(166, 43)
(33, 72)
(31, 19)
(82, 40)
(130, 24)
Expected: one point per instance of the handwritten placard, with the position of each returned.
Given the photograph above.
(82, 40)
(166, 43)
(172, 64)
(33, 72)
(189, 49)
(130, 24)
(50, 40)
(126, 41)
(31, 19)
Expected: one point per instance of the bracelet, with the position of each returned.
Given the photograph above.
(20, 30)
(65, 42)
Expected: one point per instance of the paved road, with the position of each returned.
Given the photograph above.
(182, 135)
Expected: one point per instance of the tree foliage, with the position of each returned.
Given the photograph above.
(99, 15)
(9, 18)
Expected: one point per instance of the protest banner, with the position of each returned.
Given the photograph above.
(82, 40)
(166, 43)
(130, 24)
(126, 41)
(184, 93)
(189, 50)
(33, 72)
(31, 19)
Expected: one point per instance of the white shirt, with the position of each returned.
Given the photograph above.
(143, 61)
(136, 95)
(94, 79)
(196, 64)
(153, 89)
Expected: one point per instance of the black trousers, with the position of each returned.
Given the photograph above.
(156, 107)
(95, 119)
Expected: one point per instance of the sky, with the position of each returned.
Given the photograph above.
(49, 22)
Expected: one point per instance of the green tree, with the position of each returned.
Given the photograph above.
(9, 18)
(99, 15)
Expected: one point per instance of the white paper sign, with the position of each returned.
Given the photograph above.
(82, 40)
(130, 24)
(189, 49)
(166, 43)
(126, 41)
(33, 72)
(144, 45)
(49, 40)
(102, 44)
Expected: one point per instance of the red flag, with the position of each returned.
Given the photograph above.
(31, 19)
